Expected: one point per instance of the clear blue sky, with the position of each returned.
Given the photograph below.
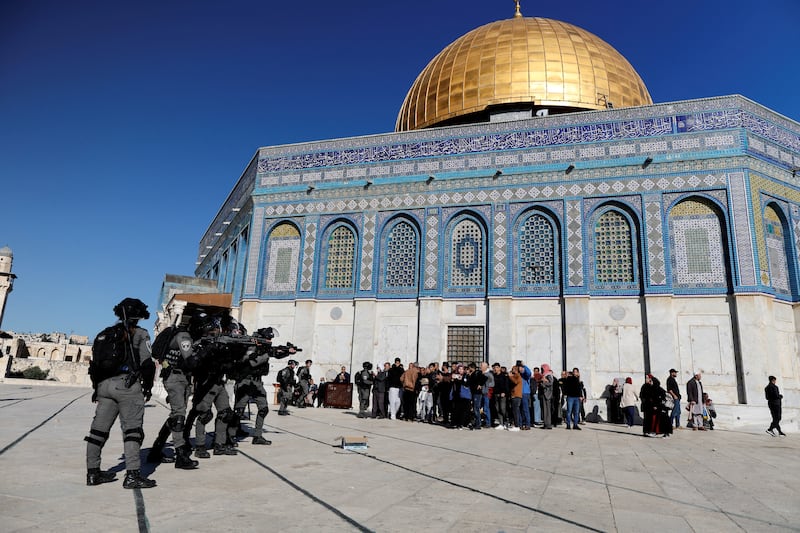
(124, 125)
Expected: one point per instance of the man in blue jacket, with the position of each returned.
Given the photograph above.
(525, 410)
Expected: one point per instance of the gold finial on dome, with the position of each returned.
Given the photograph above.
(517, 13)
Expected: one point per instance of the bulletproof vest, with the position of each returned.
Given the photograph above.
(286, 376)
(303, 373)
(363, 378)
(180, 348)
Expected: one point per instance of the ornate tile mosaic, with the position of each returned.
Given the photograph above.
(431, 249)
(740, 214)
(367, 253)
(696, 243)
(501, 238)
(283, 253)
(655, 242)
(308, 256)
(575, 242)
(255, 250)
(467, 260)
(775, 237)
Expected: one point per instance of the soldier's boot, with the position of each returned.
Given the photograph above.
(261, 440)
(157, 456)
(95, 476)
(134, 480)
(183, 460)
(202, 453)
(224, 449)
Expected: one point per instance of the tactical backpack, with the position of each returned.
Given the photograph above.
(109, 353)
(161, 344)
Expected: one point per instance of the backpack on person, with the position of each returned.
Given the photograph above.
(160, 346)
(283, 377)
(109, 353)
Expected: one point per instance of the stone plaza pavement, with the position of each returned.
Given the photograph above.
(413, 477)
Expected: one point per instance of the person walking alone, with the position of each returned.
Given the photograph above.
(774, 398)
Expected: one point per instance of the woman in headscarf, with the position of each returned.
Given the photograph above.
(613, 398)
(629, 401)
(663, 413)
(649, 396)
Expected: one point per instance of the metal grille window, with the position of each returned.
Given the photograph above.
(401, 256)
(465, 344)
(341, 259)
(614, 253)
(537, 252)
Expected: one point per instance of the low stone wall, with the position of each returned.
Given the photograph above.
(63, 372)
(748, 418)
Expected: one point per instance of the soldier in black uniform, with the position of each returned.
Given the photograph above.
(122, 392)
(287, 383)
(210, 362)
(250, 387)
(304, 377)
(364, 381)
(173, 348)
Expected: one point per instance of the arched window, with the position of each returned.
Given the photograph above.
(775, 237)
(466, 255)
(538, 258)
(340, 263)
(402, 250)
(698, 257)
(613, 248)
(283, 252)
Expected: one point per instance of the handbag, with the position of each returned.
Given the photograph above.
(669, 403)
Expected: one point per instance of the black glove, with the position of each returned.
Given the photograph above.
(147, 394)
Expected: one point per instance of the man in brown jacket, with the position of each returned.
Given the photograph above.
(409, 381)
(515, 377)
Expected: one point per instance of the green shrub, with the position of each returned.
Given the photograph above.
(35, 372)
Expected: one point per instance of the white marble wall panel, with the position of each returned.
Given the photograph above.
(705, 344)
(537, 334)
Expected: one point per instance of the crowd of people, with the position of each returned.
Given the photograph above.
(196, 361)
(472, 395)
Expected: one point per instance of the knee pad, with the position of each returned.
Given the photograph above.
(97, 437)
(176, 423)
(205, 417)
(227, 415)
(134, 435)
(264, 411)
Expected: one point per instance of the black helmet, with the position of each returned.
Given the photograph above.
(367, 365)
(202, 323)
(292, 362)
(131, 309)
(266, 333)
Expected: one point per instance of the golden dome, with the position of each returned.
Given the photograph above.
(524, 60)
